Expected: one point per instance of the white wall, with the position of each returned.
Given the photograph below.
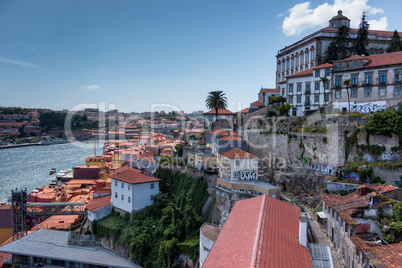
(142, 194)
(117, 202)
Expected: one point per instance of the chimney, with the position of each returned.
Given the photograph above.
(303, 221)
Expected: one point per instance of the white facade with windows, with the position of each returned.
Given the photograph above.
(306, 91)
(375, 82)
(134, 196)
(309, 51)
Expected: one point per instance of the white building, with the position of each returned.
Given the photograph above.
(223, 114)
(133, 189)
(309, 51)
(376, 82)
(306, 92)
(237, 164)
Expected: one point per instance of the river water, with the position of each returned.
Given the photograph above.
(28, 167)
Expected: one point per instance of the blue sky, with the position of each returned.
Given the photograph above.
(131, 54)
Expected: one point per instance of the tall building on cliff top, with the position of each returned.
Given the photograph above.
(309, 51)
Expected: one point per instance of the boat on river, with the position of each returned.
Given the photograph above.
(63, 173)
(52, 171)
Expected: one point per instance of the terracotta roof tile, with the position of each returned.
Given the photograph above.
(323, 66)
(220, 111)
(256, 104)
(303, 73)
(379, 60)
(244, 111)
(237, 153)
(260, 232)
(97, 203)
(270, 90)
(231, 138)
(132, 175)
(352, 30)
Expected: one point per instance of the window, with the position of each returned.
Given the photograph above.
(307, 57)
(383, 78)
(398, 77)
(115, 183)
(152, 185)
(152, 197)
(290, 87)
(317, 73)
(307, 88)
(129, 199)
(307, 100)
(367, 92)
(312, 55)
(347, 65)
(317, 86)
(327, 72)
(381, 91)
(301, 58)
(122, 197)
(326, 97)
(115, 194)
(356, 64)
(122, 185)
(326, 85)
(237, 163)
(298, 99)
(316, 98)
(298, 87)
(297, 60)
(338, 81)
(339, 66)
(337, 94)
(287, 63)
(290, 100)
(353, 93)
(293, 62)
(397, 91)
(368, 79)
(354, 80)
(129, 187)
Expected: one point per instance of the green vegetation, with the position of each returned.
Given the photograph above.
(310, 129)
(384, 122)
(325, 140)
(361, 41)
(395, 44)
(373, 149)
(338, 49)
(284, 109)
(350, 142)
(276, 99)
(167, 228)
(271, 113)
(14, 110)
(57, 120)
(179, 150)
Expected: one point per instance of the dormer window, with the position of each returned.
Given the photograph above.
(339, 66)
(356, 64)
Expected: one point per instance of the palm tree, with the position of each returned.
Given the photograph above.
(324, 79)
(347, 83)
(216, 100)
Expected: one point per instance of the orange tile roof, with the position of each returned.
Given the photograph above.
(323, 66)
(257, 104)
(231, 138)
(219, 132)
(220, 111)
(352, 30)
(97, 203)
(304, 73)
(271, 90)
(244, 111)
(132, 175)
(237, 153)
(80, 182)
(378, 60)
(58, 222)
(260, 232)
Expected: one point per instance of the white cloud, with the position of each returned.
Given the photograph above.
(93, 87)
(20, 63)
(302, 16)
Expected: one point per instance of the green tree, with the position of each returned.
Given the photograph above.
(284, 109)
(384, 122)
(179, 150)
(216, 100)
(347, 83)
(276, 99)
(395, 44)
(362, 37)
(339, 48)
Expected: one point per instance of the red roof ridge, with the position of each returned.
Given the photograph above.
(258, 237)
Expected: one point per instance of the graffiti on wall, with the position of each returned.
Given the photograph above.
(368, 107)
(245, 175)
(323, 168)
(389, 156)
(354, 176)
